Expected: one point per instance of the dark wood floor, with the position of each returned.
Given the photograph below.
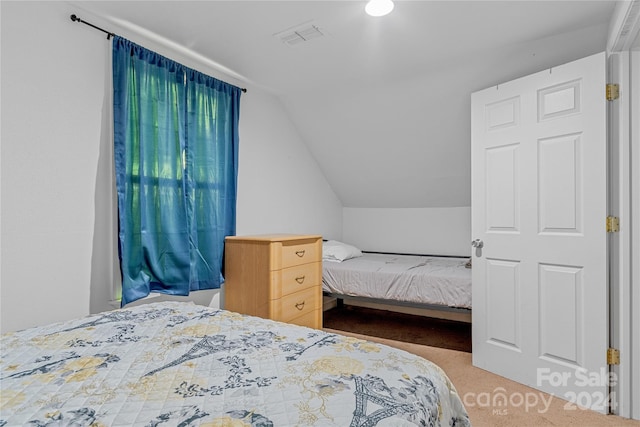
(401, 327)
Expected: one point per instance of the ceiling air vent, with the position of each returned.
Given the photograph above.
(300, 34)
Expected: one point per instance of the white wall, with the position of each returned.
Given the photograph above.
(54, 188)
(280, 186)
(635, 228)
(52, 89)
(431, 231)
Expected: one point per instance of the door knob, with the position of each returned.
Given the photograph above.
(477, 243)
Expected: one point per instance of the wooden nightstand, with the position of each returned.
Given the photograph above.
(277, 277)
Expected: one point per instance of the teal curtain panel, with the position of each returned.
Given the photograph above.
(176, 161)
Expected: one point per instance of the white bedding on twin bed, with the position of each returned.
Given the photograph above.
(408, 278)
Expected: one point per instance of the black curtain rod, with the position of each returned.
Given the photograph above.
(74, 18)
(109, 34)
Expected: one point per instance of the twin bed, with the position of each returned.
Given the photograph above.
(181, 364)
(436, 283)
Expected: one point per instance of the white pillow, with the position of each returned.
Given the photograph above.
(333, 250)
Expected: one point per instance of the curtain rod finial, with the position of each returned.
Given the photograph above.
(74, 18)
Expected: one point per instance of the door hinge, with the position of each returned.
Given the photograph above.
(613, 224)
(613, 356)
(613, 91)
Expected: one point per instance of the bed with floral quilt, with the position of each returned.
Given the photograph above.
(181, 364)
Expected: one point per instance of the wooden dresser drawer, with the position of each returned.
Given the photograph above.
(297, 304)
(294, 279)
(310, 319)
(301, 253)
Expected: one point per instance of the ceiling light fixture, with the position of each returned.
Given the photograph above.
(379, 7)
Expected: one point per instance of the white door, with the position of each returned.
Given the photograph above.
(539, 199)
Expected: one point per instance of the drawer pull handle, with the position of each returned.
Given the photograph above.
(300, 253)
(300, 279)
(300, 305)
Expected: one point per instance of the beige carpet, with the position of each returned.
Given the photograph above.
(477, 388)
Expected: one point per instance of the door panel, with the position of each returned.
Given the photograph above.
(560, 186)
(503, 212)
(560, 313)
(503, 301)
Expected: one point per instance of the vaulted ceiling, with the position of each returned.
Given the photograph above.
(383, 103)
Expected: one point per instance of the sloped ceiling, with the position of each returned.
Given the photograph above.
(383, 104)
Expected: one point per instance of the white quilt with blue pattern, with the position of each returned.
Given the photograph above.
(181, 364)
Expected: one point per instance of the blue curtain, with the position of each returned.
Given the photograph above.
(176, 161)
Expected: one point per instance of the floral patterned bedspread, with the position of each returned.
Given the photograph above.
(180, 364)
